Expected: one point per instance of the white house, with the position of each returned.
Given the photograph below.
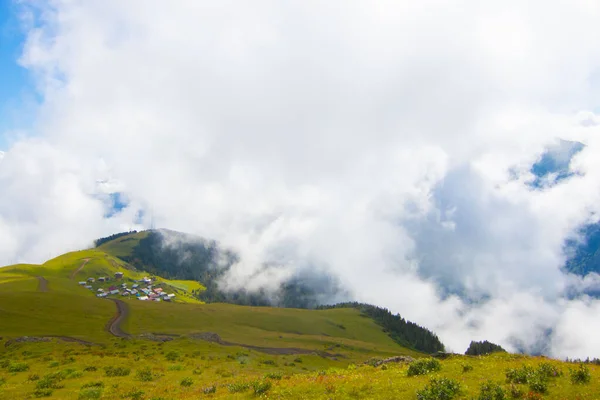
(143, 298)
(114, 292)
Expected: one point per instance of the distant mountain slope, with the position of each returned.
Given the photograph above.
(585, 256)
(181, 256)
(178, 255)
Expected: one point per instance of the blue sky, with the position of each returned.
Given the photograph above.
(15, 85)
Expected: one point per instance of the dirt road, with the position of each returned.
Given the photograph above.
(114, 325)
(85, 261)
(42, 284)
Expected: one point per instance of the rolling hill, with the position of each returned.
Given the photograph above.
(58, 339)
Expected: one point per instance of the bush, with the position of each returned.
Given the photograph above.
(423, 367)
(548, 370)
(98, 384)
(18, 367)
(175, 367)
(116, 371)
(187, 382)
(238, 387)
(491, 391)
(90, 368)
(261, 387)
(33, 377)
(519, 375)
(172, 356)
(274, 375)
(538, 383)
(267, 362)
(467, 368)
(50, 381)
(2, 381)
(134, 394)
(90, 394)
(4, 363)
(145, 374)
(54, 364)
(439, 389)
(43, 392)
(72, 373)
(210, 389)
(515, 391)
(581, 375)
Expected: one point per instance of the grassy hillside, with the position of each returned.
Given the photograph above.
(47, 300)
(185, 369)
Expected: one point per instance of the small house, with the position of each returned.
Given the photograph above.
(101, 279)
(91, 280)
(125, 294)
(170, 296)
(135, 286)
(82, 283)
(100, 290)
(143, 298)
(118, 275)
(114, 291)
(88, 287)
(101, 295)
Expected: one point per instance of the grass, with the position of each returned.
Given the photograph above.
(315, 378)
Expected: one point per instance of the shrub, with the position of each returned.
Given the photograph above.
(18, 367)
(175, 367)
(116, 371)
(4, 363)
(580, 375)
(210, 389)
(519, 375)
(72, 373)
(90, 368)
(197, 371)
(145, 374)
(515, 391)
(439, 389)
(274, 375)
(54, 364)
(172, 356)
(261, 387)
(187, 382)
(538, 383)
(134, 394)
(467, 368)
(267, 362)
(33, 377)
(2, 381)
(491, 391)
(97, 384)
(50, 381)
(548, 370)
(297, 360)
(423, 367)
(43, 392)
(90, 394)
(238, 387)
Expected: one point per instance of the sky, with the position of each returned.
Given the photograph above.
(387, 144)
(16, 93)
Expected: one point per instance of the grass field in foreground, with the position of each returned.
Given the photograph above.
(184, 369)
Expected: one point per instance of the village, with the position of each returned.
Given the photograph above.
(145, 289)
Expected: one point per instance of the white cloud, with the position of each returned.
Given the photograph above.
(372, 140)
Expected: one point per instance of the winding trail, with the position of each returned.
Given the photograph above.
(85, 261)
(42, 284)
(114, 325)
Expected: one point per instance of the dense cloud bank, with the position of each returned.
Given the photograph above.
(388, 144)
